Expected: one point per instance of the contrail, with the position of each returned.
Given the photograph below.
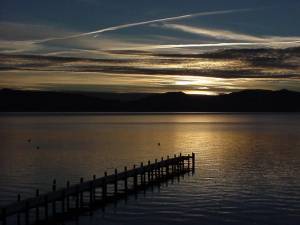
(119, 27)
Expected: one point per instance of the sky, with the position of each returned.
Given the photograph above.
(195, 46)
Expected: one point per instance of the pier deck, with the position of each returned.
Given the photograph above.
(73, 198)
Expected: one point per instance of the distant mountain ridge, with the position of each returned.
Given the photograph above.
(243, 101)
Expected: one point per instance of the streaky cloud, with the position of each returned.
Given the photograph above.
(233, 63)
(222, 34)
(214, 33)
(223, 44)
(124, 26)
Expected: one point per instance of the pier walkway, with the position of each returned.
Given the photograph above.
(87, 195)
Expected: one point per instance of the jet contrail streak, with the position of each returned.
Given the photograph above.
(119, 27)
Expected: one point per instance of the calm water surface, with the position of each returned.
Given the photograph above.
(248, 165)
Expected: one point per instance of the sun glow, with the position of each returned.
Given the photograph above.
(201, 92)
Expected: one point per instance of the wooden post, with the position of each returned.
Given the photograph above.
(175, 163)
(152, 175)
(94, 188)
(155, 170)
(18, 215)
(54, 203)
(37, 212)
(149, 173)
(81, 194)
(125, 180)
(116, 181)
(104, 187)
(189, 163)
(159, 168)
(193, 161)
(134, 178)
(180, 165)
(142, 174)
(162, 168)
(167, 168)
(68, 198)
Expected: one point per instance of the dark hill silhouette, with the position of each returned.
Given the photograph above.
(43, 101)
(243, 101)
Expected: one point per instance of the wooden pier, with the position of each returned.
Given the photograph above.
(73, 199)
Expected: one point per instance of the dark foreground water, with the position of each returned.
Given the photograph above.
(248, 165)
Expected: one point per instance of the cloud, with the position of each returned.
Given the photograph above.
(222, 45)
(18, 31)
(247, 63)
(124, 26)
(18, 38)
(213, 33)
(221, 34)
(213, 72)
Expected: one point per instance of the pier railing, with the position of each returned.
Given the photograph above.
(72, 198)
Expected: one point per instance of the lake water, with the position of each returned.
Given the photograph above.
(247, 165)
